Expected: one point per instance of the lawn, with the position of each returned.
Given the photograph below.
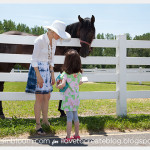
(87, 107)
(95, 115)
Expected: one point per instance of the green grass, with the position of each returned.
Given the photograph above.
(91, 124)
(87, 107)
(95, 115)
(98, 86)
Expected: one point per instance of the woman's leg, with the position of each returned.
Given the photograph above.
(45, 104)
(76, 123)
(69, 122)
(37, 109)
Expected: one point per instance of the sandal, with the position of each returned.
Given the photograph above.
(40, 131)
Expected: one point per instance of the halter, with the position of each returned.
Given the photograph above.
(89, 44)
(85, 43)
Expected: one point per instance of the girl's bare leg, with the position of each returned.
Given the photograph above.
(69, 127)
(76, 124)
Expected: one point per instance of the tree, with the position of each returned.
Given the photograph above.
(37, 30)
(140, 52)
(9, 25)
(128, 36)
(1, 27)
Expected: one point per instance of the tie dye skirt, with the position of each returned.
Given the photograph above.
(32, 86)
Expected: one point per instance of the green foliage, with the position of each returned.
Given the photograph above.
(9, 25)
(18, 66)
(23, 28)
(37, 30)
(139, 52)
(103, 51)
(1, 27)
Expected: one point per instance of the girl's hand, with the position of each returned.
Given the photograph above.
(59, 81)
(58, 86)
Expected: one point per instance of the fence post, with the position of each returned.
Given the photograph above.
(140, 71)
(121, 103)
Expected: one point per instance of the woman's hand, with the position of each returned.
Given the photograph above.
(52, 75)
(39, 78)
(40, 81)
(53, 79)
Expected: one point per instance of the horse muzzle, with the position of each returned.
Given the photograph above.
(85, 50)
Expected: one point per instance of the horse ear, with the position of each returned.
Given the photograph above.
(92, 19)
(80, 19)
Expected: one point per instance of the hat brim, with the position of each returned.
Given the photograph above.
(63, 35)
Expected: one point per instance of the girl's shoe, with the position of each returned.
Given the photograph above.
(76, 137)
(67, 139)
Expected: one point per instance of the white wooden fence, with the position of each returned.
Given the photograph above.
(95, 70)
(120, 76)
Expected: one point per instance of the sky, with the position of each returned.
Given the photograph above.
(117, 19)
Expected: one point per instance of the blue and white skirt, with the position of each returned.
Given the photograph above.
(32, 79)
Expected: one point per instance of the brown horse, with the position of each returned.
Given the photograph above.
(84, 30)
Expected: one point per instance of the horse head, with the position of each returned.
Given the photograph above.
(86, 34)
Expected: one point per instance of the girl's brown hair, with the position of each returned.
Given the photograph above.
(72, 63)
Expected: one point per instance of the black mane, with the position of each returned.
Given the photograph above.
(72, 29)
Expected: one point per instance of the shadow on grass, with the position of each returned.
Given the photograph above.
(92, 125)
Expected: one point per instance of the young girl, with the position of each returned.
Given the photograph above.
(72, 75)
(41, 73)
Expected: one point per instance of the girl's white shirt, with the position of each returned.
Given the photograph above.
(40, 51)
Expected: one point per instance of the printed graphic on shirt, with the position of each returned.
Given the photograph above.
(71, 99)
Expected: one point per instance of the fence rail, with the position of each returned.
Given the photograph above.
(96, 70)
(120, 76)
(24, 58)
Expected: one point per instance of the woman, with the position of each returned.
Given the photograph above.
(41, 73)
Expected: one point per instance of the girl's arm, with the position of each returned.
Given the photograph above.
(60, 86)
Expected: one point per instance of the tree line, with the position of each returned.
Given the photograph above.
(131, 52)
(8, 25)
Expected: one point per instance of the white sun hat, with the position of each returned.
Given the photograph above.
(59, 28)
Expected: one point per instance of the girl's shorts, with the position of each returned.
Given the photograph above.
(32, 79)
